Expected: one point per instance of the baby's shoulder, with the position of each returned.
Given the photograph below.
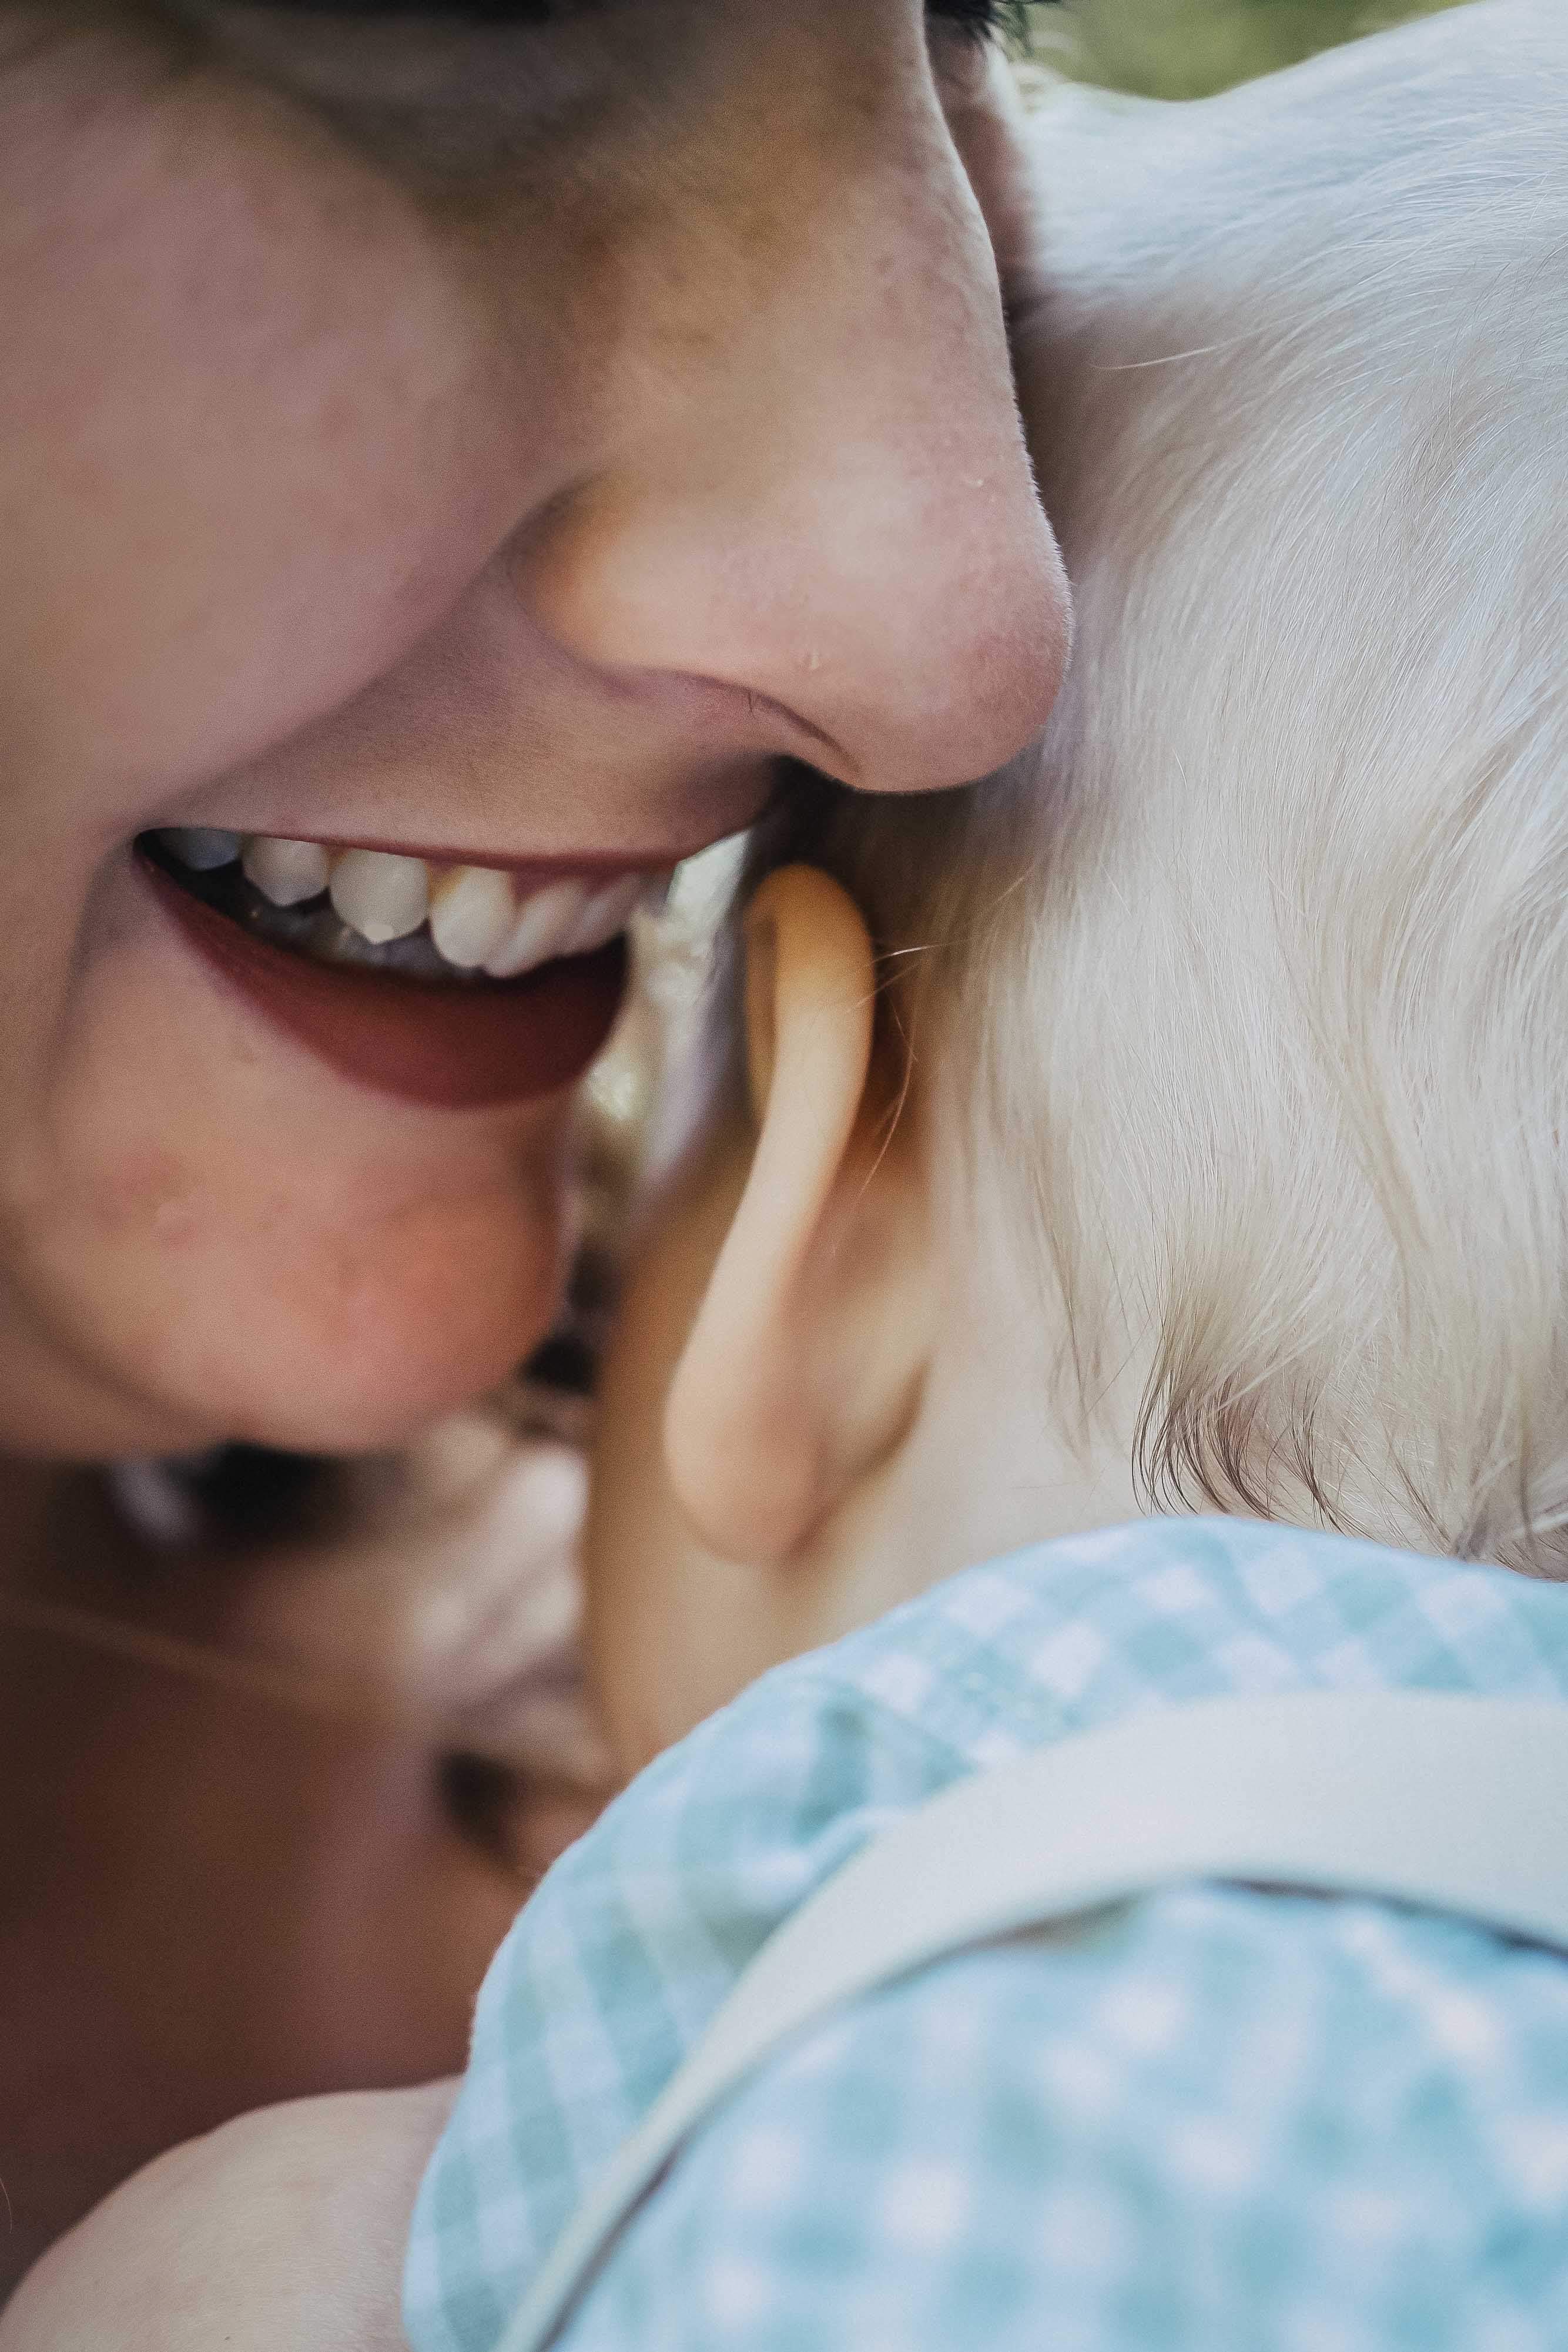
(637, 1935)
(1216, 2115)
(1072, 1634)
(1060, 1638)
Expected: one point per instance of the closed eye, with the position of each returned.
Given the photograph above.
(981, 17)
(982, 20)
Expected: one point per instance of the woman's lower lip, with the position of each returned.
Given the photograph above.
(457, 1047)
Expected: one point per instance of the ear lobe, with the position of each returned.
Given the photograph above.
(802, 1367)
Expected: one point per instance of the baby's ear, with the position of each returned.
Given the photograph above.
(804, 1363)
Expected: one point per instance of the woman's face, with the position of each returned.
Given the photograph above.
(508, 445)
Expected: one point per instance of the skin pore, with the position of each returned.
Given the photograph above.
(397, 521)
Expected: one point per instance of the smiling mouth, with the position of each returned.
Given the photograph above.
(379, 910)
(455, 985)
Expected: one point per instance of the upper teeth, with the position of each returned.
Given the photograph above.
(380, 897)
(287, 872)
(204, 846)
(477, 918)
(472, 910)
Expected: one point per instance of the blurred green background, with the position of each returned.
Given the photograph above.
(1186, 48)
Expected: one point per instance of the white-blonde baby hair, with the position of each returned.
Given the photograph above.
(1253, 993)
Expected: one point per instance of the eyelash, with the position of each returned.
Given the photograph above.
(982, 20)
(970, 20)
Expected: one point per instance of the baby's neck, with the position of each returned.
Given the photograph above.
(987, 1466)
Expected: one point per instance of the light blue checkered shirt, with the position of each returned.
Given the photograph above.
(1224, 2121)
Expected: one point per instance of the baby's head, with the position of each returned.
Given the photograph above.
(1180, 1123)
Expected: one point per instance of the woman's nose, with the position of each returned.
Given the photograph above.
(819, 495)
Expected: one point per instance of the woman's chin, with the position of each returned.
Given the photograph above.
(439, 1316)
(210, 1235)
(335, 1341)
(321, 1401)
